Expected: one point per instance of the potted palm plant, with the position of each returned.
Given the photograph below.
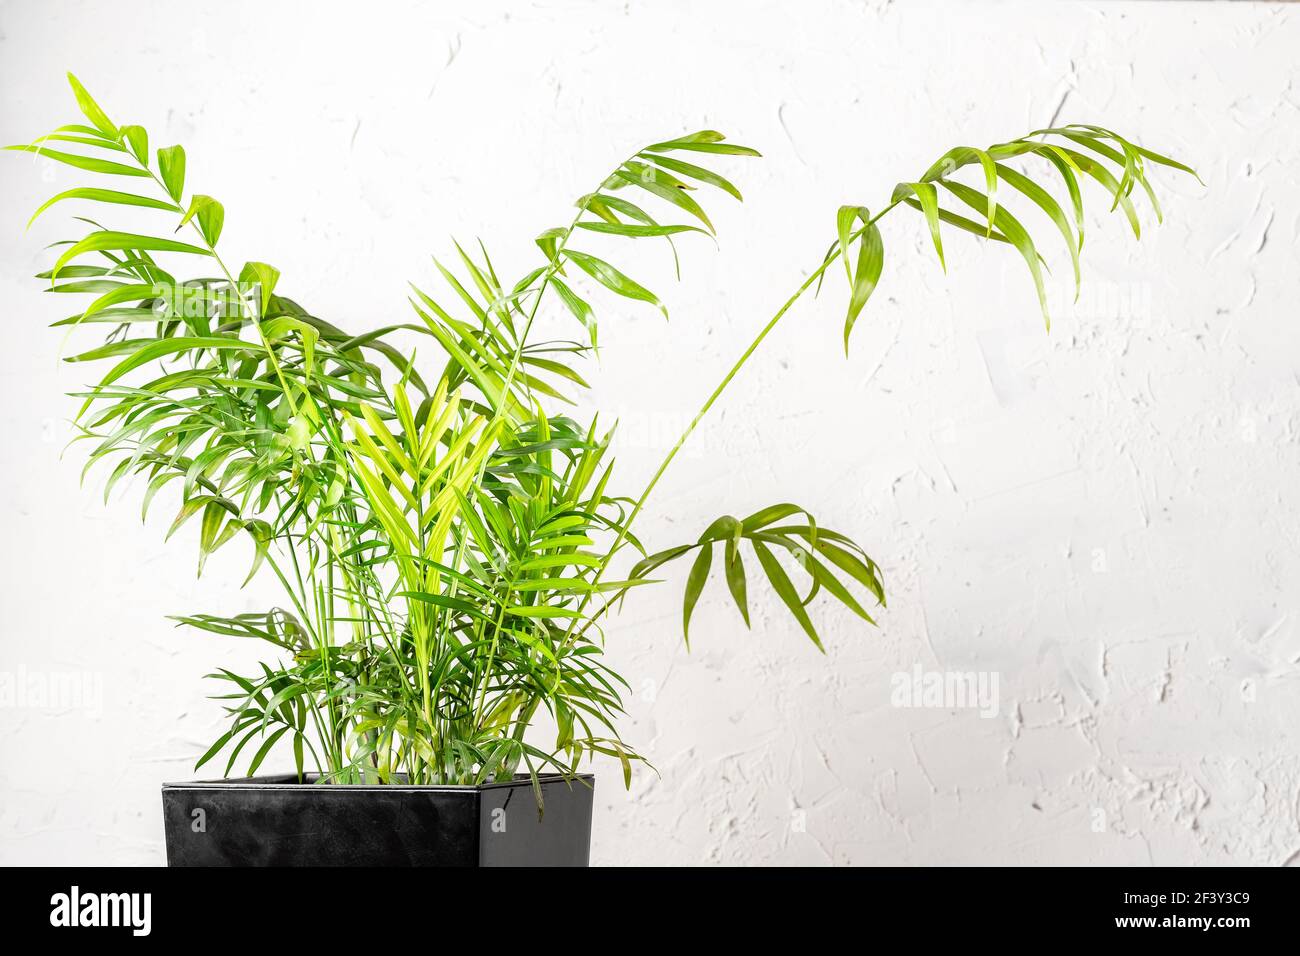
(447, 538)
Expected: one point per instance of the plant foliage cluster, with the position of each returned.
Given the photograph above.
(447, 537)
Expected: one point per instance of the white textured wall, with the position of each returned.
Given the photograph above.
(1108, 518)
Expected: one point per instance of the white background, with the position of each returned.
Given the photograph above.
(1107, 517)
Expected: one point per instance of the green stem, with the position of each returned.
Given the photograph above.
(815, 276)
(726, 380)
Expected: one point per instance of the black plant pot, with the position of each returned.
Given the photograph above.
(276, 821)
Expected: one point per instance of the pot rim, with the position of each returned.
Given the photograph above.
(288, 781)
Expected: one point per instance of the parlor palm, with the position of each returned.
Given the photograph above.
(448, 539)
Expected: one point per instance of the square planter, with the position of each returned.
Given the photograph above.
(276, 821)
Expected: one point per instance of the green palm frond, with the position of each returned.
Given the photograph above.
(827, 558)
(1109, 156)
(489, 348)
